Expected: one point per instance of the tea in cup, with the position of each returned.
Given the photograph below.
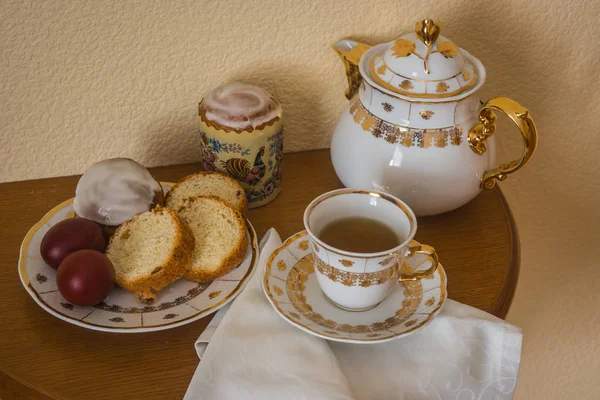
(360, 239)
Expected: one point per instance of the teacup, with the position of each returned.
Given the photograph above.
(360, 281)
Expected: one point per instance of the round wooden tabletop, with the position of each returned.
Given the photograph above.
(43, 357)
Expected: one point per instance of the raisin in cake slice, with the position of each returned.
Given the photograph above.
(221, 237)
(205, 184)
(150, 251)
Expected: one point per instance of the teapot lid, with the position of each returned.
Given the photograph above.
(423, 64)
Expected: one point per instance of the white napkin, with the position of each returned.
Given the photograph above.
(464, 353)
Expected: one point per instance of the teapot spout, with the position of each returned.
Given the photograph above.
(351, 52)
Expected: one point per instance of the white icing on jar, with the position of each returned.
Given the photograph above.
(112, 191)
(240, 106)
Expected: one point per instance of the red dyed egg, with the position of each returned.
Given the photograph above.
(68, 236)
(85, 277)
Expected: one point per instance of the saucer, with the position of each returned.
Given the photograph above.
(290, 284)
(178, 304)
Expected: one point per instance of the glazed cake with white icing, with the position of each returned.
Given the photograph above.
(112, 191)
(239, 107)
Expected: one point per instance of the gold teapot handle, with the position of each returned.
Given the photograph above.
(486, 128)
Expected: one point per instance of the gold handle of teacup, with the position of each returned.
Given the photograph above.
(486, 128)
(430, 253)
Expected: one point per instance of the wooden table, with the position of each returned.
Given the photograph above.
(42, 357)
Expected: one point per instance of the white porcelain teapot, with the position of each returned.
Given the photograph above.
(416, 128)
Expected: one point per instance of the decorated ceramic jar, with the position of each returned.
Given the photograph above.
(415, 127)
(242, 135)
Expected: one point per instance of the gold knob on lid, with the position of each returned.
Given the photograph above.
(428, 31)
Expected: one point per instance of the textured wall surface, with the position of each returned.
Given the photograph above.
(83, 81)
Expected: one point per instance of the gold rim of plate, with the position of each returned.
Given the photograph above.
(135, 329)
(329, 333)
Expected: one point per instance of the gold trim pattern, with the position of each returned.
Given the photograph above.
(281, 265)
(347, 263)
(410, 79)
(442, 87)
(294, 318)
(191, 294)
(212, 295)
(448, 49)
(387, 107)
(295, 285)
(387, 261)
(407, 137)
(406, 84)
(347, 278)
(402, 48)
(303, 245)
(465, 75)
(418, 101)
(426, 114)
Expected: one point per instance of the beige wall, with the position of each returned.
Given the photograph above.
(82, 81)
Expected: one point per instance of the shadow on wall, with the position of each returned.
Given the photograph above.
(528, 79)
(300, 93)
(296, 87)
(158, 146)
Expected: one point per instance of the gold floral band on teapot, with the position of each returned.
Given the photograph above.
(407, 137)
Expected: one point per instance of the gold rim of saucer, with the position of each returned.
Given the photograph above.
(306, 311)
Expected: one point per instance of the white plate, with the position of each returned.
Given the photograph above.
(178, 304)
(291, 286)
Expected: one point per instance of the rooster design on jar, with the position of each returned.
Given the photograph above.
(241, 169)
